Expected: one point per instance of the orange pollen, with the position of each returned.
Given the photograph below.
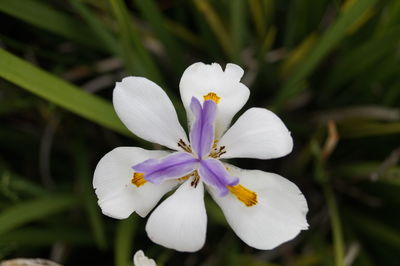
(138, 179)
(212, 96)
(248, 197)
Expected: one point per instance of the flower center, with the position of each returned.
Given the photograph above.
(198, 159)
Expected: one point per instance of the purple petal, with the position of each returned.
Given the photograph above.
(202, 132)
(213, 173)
(173, 166)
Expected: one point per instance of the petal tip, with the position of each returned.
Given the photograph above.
(112, 214)
(234, 71)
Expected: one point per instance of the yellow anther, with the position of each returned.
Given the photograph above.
(217, 152)
(212, 96)
(184, 146)
(248, 197)
(195, 181)
(215, 144)
(138, 179)
(186, 177)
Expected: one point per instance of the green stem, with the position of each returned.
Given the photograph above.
(338, 244)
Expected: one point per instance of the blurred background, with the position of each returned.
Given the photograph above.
(329, 68)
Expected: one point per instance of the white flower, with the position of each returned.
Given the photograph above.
(263, 209)
(139, 259)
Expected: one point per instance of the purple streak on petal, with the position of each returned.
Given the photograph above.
(202, 131)
(214, 174)
(173, 166)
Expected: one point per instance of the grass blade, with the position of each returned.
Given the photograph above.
(136, 57)
(59, 92)
(35, 209)
(357, 129)
(46, 237)
(184, 34)
(322, 47)
(154, 17)
(90, 200)
(338, 244)
(11, 183)
(45, 17)
(376, 53)
(123, 241)
(256, 9)
(215, 24)
(375, 228)
(106, 37)
(238, 26)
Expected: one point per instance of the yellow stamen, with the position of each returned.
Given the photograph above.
(196, 179)
(185, 177)
(215, 144)
(212, 96)
(184, 146)
(138, 179)
(248, 197)
(217, 152)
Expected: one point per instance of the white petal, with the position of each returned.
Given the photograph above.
(146, 110)
(279, 215)
(118, 197)
(180, 222)
(200, 79)
(258, 133)
(139, 259)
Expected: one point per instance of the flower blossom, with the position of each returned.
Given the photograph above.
(263, 209)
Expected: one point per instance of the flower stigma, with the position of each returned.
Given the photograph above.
(212, 96)
(138, 179)
(245, 195)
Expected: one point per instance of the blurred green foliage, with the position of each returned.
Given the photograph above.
(330, 68)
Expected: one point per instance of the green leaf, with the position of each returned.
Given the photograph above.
(184, 34)
(215, 24)
(34, 209)
(376, 52)
(375, 228)
(98, 28)
(155, 18)
(135, 55)
(357, 129)
(338, 242)
(45, 237)
(90, 201)
(45, 17)
(238, 27)
(11, 183)
(322, 47)
(123, 241)
(59, 92)
(15, 105)
(257, 15)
